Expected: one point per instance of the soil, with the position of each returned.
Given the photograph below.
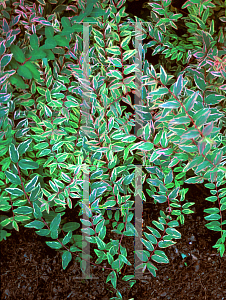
(31, 270)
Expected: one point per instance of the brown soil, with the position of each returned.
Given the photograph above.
(31, 270)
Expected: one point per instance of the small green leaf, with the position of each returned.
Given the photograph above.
(13, 177)
(25, 72)
(35, 224)
(14, 191)
(54, 245)
(34, 41)
(31, 184)
(113, 50)
(13, 153)
(22, 148)
(49, 31)
(143, 255)
(23, 210)
(178, 86)
(160, 257)
(17, 53)
(174, 233)
(26, 164)
(212, 217)
(163, 76)
(50, 43)
(5, 60)
(200, 83)
(16, 80)
(71, 226)
(54, 225)
(67, 238)
(66, 258)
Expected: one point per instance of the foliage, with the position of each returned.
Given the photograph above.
(69, 126)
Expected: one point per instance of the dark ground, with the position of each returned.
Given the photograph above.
(31, 270)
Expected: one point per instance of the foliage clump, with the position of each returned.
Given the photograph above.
(70, 134)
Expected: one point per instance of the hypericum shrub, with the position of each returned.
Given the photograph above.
(67, 132)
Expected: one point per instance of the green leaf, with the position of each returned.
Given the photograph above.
(31, 184)
(113, 50)
(71, 226)
(54, 245)
(159, 92)
(5, 60)
(128, 54)
(147, 244)
(178, 86)
(190, 101)
(49, 31)
(22, 148)
(201, 116)
(200, 83)
(151, 268)
(55, 223)
(26, 164)
(129, 69)
(34, 41)
(25, 72)
(211, 198)
(160, 257)
(115, 61)
(174, 233)
(170, 104)
(212, 210)
(66, 258)
(35, 224)
(16, 80)
(180, 120)
(17, 53)
(143, 255)
(151, 238)
(213, 99)
(146, 146)
(50, 43)
(14, 191)
(13, 153)
(165, 244)
(116, 74)
(160, 198)
(125, 41)
(67, 238)
(113, 277)
(33, 70)
(61, 41)
(13, 177)
(158, 225)
(23, 210)
(65, 22)
(5, 98)
(190, 134)
(37, 54)
(129, 139)
(163, 76)
(212, 217)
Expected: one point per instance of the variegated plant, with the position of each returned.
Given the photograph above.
(60, 121)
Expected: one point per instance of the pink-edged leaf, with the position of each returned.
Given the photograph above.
(218, 157)
(200, 83)
(213, 99)
(208, 129)
(189, 102)
(223, 87)
(201, 146)
(178, 86)
(5, 60)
